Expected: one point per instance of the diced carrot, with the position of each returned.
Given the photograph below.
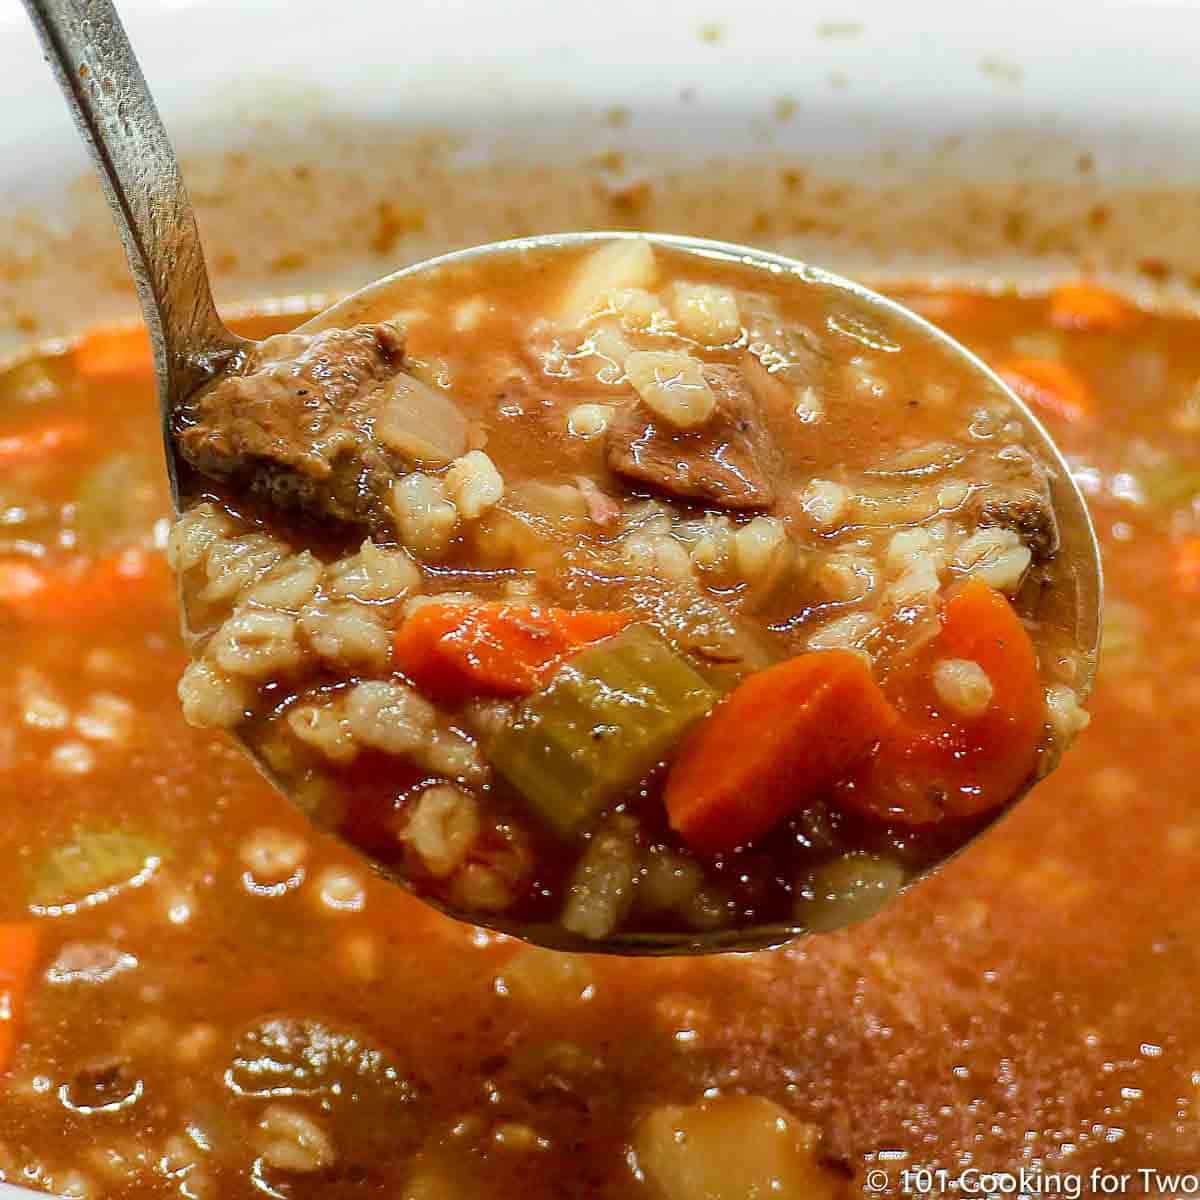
(45, 442)
(774, 744)
(1049, 385)
(451, 651)
(1087, 306)
(931, 765)
(18, 952)
(130, 582)
(114, 352)
(1186, 565)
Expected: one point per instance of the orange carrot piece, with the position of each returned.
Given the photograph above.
(18, 952)
(114, 352)
(774, 744)
(1090, 307)
(129, 582)
(1186, 565)
(45, 442)
(932, 766)
(1049, 385)
(452, 651)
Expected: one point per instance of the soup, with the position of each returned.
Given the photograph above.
(495, 581)
(203, 996)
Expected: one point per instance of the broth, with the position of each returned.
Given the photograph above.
(1032, 1005)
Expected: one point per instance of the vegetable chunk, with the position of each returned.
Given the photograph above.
(46, 443)
(813, 718)
(1090, 307)
(114, 353)
(1048, 386)
(454, 650)
(122, 586)
(600, 726)
(933, 765)
(629, 263)
(93, 862)
(18, 952)
(733, 1148)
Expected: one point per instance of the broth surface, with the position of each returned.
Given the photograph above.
(1032, 1005)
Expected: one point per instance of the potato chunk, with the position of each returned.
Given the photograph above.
(732, 1148)
(628, 263)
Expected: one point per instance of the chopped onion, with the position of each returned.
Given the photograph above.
(421, 423)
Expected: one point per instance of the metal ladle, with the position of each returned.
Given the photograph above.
(94, 63)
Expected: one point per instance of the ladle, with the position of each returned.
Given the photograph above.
(107, 94)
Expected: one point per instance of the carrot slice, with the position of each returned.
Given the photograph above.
(1186, 565)
(1090, 307)
(451, 651)
(18, 952)
(931, 765)
(131, 582)
(36, 445)
(114, 352)
(1049, 385)
(774, 744)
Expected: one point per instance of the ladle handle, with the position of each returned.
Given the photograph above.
(99, 74)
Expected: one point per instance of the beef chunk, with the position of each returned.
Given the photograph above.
(725, 462)
(1029, 516)
(320, 422)
(372, 1103)
(1023, 504)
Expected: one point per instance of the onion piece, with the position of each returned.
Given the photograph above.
(420, 423)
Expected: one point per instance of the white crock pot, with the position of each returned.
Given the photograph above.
(936, 120)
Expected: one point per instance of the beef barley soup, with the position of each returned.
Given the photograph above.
(202, 996)
(497, 583)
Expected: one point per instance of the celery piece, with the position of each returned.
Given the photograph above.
(93, 862)
(599, 726)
